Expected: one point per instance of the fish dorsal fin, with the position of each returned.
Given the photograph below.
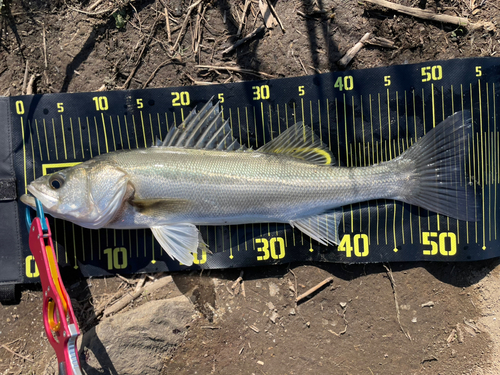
(203, 130)
(299, 141)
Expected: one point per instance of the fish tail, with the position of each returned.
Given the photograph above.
(435, 170)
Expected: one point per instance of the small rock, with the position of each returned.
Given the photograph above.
(343, 304)
(273, 289)
(427, 304)
(270, 305)
(134, 342)
(292, 311)
(274, 316)
(260, 363)
(414, 320)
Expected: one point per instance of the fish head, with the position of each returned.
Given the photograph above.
(88, 194)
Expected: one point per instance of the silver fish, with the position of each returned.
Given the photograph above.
(200, 175)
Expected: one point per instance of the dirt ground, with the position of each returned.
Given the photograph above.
(449, 313)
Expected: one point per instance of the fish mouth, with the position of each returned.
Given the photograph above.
(28, 200)
(47, 201)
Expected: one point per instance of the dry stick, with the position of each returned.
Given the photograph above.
(344, 61)
(44, 46)
(393, 285)
(431, 16)
(313, 289)
(237, 281)
(244, 40)
(93, 13)
(167, 25)
(380, 42)
(235, 69)
(197, 28)
(130, 297)
(31, 83)
(13, 352)
(273, 11)
(242, 20)
(184, 24)
(161, 65)
(93, 6)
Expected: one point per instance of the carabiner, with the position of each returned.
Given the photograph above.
(39, 213)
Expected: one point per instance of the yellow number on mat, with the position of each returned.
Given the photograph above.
(114, 258)
(31, 267)
(360, 243)
(273, 248)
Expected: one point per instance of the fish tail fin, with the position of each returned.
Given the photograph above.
(437, 178)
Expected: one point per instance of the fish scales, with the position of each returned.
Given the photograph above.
(247, 187)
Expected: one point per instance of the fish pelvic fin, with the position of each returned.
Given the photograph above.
(300, 142)
(322, 228)
(180, 241)
(435, 169)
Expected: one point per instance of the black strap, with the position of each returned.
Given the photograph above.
(8, 189)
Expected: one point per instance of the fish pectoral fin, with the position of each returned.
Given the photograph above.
(178, 240)
(300, 142)
(155, 207)
(322, 228)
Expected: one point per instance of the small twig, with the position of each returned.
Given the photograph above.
(243, 16)
(93, 13)
(393, 285)
(273, 11)
(25, 80)
(380, 42)
(244, 40)
(302, 64)
(44, 46)
(295, 290)
(130, 297)
(129, 282)
(161, 65)
(235, 69)
(431, 16)
(344, 61)
(209, 327)
(255, 329)
(31, 84)
(313, 289)
(167, 25)
(237, 281)
(201, 83)
(184, 24)
(93, 6)
(140, 283)
(13, 352)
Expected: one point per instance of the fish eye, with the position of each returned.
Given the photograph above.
(56, 181)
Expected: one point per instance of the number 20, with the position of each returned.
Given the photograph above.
(180, 98)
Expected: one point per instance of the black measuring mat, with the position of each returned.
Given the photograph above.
(364, 117)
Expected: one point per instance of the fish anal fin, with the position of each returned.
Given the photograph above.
(322, 228)
(299, 141)
(180, 241)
